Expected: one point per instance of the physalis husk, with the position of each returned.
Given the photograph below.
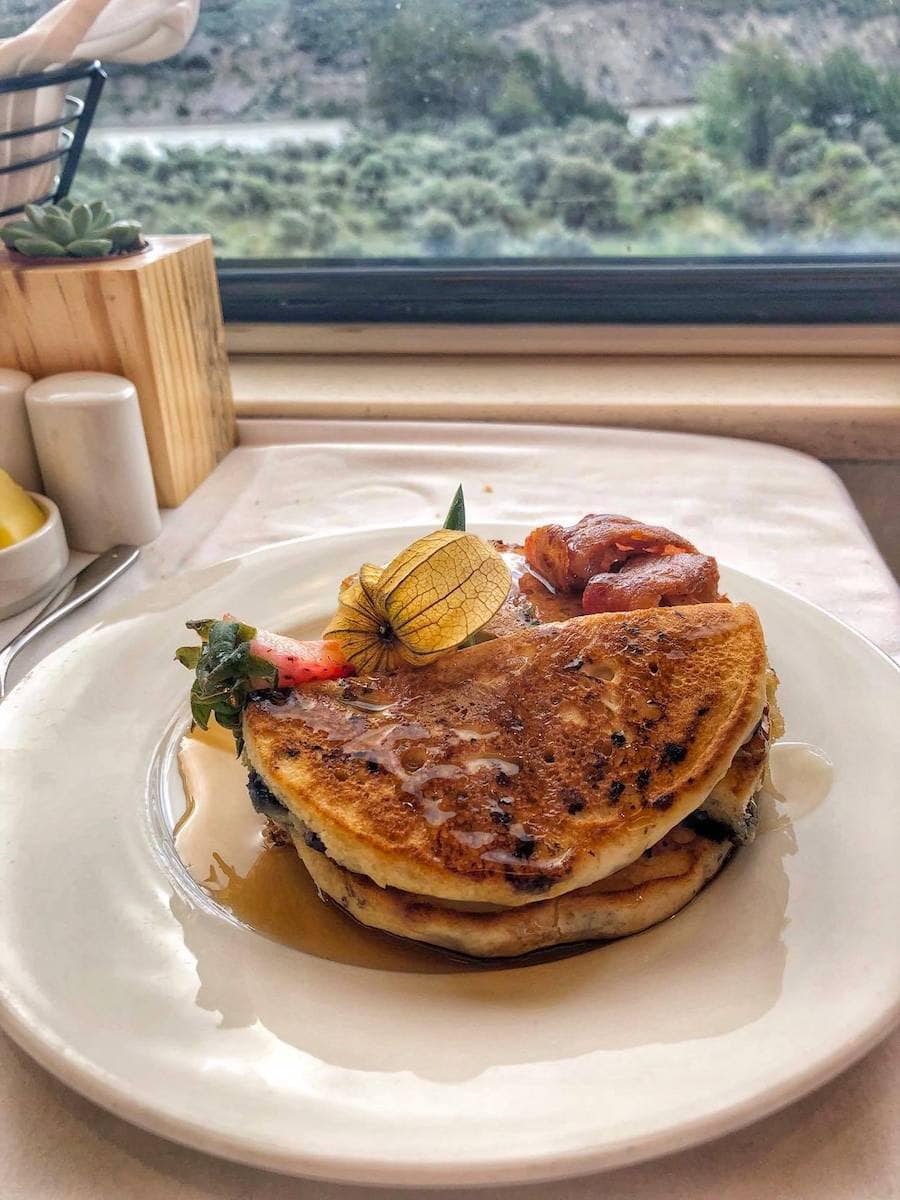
(433, 596)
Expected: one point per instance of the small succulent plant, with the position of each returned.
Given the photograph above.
(68, 230)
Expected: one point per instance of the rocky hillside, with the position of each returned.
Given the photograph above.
(651, 52)
(259, 59)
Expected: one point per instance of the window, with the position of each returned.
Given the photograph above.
(547, 159)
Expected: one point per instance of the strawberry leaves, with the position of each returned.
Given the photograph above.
(225, 673)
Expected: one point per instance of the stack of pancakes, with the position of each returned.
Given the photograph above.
(562, 782)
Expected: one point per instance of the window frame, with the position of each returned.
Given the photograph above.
(794, 289)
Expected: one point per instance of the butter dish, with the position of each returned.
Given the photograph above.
(29, 569)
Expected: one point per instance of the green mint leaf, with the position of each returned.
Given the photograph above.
(456, 514)
(201, 627)
(200, 713)
(225, 673)
(188, 656)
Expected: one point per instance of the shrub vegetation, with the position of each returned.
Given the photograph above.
(469, 150)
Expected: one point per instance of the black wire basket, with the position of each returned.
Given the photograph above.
(73, 125)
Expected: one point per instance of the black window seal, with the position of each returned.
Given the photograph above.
(811, 290)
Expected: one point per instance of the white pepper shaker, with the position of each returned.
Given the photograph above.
(17, 454)
(93, 456)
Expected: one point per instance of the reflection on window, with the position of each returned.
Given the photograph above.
(446, 128)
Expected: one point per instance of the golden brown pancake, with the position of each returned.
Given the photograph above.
(662, 881)
(525, 767)
(732, 802)
(655, 887)
(533, 600)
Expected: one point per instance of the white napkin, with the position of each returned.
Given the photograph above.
(133, 31)
(140, 32)
(125, 31)
(49, 40)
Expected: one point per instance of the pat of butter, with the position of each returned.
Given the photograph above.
(20, 517)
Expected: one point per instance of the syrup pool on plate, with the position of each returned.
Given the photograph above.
(798, 780)
(221, 842)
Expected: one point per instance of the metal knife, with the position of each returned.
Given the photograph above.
(77, 591)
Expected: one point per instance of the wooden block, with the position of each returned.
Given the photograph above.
(154, 318)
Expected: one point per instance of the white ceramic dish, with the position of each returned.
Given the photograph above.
(783, 972)
(30, 568)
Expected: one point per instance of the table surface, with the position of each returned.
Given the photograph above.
(772, 512)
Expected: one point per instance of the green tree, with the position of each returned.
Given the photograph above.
(474, 133)
(428, 64)
(884, 204)
(372, 176)
(136, 159)
(584, 195)
(527, 173)
(328, 29)
(561, 98)
(843, 170)
(873, 138)
(292, 232)
(517, 106)
(482, 164)
(323, 230)
(844, 91)
(764, 205)
(692, 178)
(749, 100)
(890, 104)
(397, 207)
(469, 200)
(798, 149)
(603, 140)
(439, 232)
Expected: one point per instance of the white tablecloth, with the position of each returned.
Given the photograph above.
(766, 510)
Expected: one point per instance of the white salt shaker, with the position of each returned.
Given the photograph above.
(17, 454)
(93, 456)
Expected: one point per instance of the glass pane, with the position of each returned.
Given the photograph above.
(485, 128)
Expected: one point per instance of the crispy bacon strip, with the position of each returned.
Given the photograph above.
(569, 558)
(651, 581)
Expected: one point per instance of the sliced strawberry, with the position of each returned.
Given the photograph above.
(300, 662)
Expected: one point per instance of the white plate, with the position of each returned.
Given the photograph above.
(783, 972)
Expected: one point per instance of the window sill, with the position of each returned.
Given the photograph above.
(842, 407)
(841, 340)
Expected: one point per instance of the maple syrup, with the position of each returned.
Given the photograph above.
(221, 842)
(530, 585)
(798, 779)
